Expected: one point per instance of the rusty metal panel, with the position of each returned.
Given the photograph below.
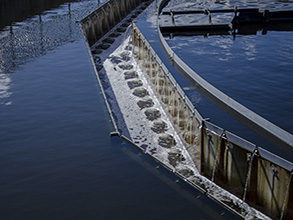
(272, 183)
(261, 126)
(210, 152)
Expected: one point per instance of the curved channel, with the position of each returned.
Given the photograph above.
(258, 124)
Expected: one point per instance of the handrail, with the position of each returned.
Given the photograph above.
(258, 124)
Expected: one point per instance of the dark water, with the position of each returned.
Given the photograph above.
(57, 160)
(18, 10)
(255, 70)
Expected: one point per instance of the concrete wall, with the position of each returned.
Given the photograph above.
(185, 119)
(100, 21)
(251, 173)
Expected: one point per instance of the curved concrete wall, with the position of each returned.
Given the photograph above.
(253, 174)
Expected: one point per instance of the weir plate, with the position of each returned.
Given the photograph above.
(166, 146)
(139, 116)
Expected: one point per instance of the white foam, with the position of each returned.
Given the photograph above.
(141, 133)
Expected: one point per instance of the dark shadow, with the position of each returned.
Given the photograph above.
(19, 10)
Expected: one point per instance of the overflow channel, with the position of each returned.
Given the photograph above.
(150, 110)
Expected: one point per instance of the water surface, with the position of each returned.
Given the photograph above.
(57, 160)
(255, 70)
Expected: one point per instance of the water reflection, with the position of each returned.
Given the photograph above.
(5, 81)
(19, 10)
(217, 4)
(250, 50)
(41, 33)
(36, 36)
(253, 67)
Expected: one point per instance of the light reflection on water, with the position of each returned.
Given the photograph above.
(57, 160)
(217, 4)
(42, 33)
(26, 40)
(255, 70)
(4, 89)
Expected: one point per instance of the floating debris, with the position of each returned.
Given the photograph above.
(145, 103)
(130, 75)
(125, 56)
(152, 114)
(140, 92)
(126, 66)
(159, 127)
(167, 141)
(174, 158)
(186, 172)
(134, 83)
(115, 60)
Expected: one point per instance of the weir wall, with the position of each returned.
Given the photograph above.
(253, 174)
(104, 18)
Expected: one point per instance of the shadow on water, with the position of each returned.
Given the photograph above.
(18, 10)
(203, 206)
(56, 159)
(58, 162)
